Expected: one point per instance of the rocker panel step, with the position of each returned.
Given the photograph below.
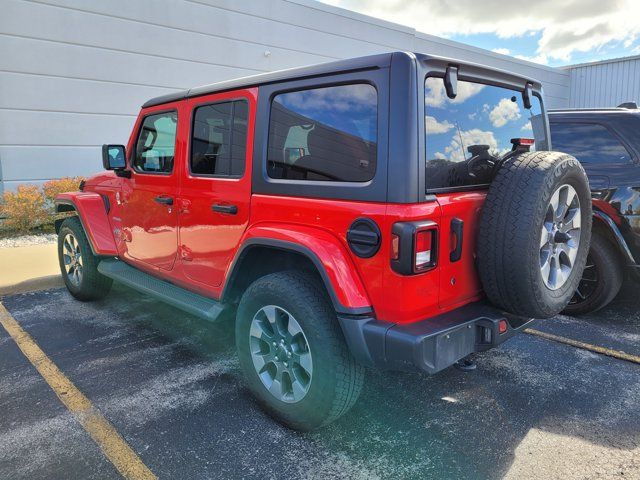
(178, 297)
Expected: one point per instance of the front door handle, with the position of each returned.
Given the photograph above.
(164, 200)
(230, 209)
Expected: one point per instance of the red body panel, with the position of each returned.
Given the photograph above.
(149, 230)
(335, 258)
(459, 282)
(92, 212)
(194, 247)
(208, 240)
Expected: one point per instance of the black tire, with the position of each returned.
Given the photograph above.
(601, 280)
(337, 379)
(92, 285)
(509, 244)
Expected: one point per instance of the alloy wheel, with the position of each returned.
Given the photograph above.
(72, 258)
(560, 237)
(588, 283)
(280, 354)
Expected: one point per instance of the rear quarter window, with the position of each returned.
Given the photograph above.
(324, 134)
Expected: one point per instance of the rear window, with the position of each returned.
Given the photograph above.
(324, 134)
(464, 134)
(589, 143)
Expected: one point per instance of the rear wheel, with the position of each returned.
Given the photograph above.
(293, 353)
(601, 279)
(78, 264)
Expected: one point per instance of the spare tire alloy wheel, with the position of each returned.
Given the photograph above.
(72, 258)
(280, 354)
(534, 233)
(560, 237)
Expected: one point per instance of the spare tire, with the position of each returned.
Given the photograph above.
(534, 233)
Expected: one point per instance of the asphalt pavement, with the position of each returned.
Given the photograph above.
(170, 385)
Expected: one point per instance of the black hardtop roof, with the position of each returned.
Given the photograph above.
(626, 107)
(352, 64)
(368, 62)
(593, 113)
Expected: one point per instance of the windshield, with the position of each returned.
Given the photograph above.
(466, 134)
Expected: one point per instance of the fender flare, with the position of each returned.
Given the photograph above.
(92, 212)
(352, 301)
(617, 235)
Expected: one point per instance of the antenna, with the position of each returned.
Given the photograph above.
(461, 141)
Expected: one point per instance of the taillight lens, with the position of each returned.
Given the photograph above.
(423, 248)
(395, 247)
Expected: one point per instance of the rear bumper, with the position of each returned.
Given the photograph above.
(429, 345)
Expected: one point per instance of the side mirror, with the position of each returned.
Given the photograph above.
(527, 93)
(114, 157)
(451, 81)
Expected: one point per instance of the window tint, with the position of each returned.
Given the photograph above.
(155, 148)
(219, 140)
(589, 143)
(324, 134)
(466, 134)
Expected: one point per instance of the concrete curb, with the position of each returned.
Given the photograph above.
(33, 285)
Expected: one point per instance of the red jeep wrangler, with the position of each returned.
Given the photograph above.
(381, 211)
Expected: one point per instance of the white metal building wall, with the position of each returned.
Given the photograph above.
(605, 84)
(73, 73)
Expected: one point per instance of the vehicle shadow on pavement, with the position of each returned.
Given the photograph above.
(171, 385)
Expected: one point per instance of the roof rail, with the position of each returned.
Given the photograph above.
(632, 105)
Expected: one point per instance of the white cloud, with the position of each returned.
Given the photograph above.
(436, 95)
(565, 27)
(457, 151)
(527, 126)
(505, 111)
(502, 51)
(343, 99)
(434, 127)
(541, 58)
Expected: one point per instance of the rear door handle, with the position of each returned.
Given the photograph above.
(164, 200)
(457, 227)
(230, 209)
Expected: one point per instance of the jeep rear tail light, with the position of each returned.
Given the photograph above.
(423, 247)
(395, 246)
(414, 247)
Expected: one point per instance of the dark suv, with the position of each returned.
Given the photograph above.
(607, 143)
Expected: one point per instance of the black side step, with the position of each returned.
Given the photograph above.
(190, 302)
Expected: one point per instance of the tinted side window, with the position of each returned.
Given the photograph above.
(465, 134)
(219, 142)
(588, 142)
(155, 147)
(324, 134)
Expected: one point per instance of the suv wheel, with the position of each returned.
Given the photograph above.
(534, 233)
(601, 280)
(293, 353)
(78, 264)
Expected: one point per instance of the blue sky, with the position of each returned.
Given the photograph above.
(550, 32)
(479, 115)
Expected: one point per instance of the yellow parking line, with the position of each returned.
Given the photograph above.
(116, 449)
(585, 346)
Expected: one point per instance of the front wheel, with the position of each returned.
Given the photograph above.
(78, 264)
(293, 353)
